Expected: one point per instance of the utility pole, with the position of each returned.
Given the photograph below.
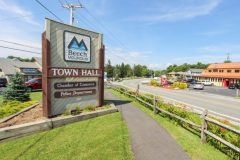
(72, 7)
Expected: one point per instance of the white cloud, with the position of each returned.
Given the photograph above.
(155, 66)
(25, 31)
(215, 32)
(119, 55)
(16, 10)
(179, 11)
(221, 48)
(207, 58)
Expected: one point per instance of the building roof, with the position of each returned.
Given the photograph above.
(38, 60)
(196, 70)
(25, 65)
(221, 75)
(7, 66)
(232, 75)
(233, 65)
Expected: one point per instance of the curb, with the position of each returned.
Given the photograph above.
(21, 130)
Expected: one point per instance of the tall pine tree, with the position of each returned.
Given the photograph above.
(16, 90)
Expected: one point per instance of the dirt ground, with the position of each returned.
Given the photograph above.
(31, 115)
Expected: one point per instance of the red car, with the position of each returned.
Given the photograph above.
(34, 84)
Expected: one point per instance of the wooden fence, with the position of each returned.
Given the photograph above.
(202, 128)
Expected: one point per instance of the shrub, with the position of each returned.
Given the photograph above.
(78, 109)
(89, 108)
(11, 107)
(67, 112)
(180, 85)
(16, 90)
(153, 82)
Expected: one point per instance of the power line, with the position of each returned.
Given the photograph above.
(60, 2)
(24, 45)
(19, 50)
(107, 29)
(48, 10)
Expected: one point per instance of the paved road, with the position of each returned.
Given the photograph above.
(149, 140)
(222, 104)
(216, 90)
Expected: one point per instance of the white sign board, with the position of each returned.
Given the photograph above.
(77, 47)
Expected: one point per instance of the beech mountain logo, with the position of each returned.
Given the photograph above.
(77, 46)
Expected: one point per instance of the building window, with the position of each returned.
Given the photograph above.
(0, 70)
(209, 70)
(221, 71)
(237, 71)
(215, 70)
(229, 71)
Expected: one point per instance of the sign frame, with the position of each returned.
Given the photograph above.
(64, 53)
(48, 54)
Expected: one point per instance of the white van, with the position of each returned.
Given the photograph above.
(206, 83)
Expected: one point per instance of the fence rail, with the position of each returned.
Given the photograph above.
(202, 128)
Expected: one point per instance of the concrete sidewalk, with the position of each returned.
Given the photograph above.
(149, 140)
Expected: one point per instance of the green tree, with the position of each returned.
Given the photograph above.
(138, 70)
(129, 71)
(109, 69)
(16, 90)
(21, 59)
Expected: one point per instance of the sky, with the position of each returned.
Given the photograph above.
(156, 33)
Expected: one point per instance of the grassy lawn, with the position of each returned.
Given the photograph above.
(189, 141)
(35, 96)
(103, 137)
(1, 99)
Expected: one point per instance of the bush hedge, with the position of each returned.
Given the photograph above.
(180, 85)
(10, 107)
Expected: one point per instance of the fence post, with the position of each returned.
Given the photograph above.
(137, 91)
(155, 104)
(204, 126)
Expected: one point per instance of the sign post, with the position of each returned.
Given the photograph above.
(73, 63)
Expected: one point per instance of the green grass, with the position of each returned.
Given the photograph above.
(103, 138)
(189, 141)
(13, 107)
(36, 96)
(1, 99)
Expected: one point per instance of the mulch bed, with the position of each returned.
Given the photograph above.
(31, 115)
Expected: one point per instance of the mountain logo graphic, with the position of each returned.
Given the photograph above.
(77, 46)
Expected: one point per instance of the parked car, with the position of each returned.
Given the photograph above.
(3, 82)
(145, 82)
(233, 86)
(191, 81)
(206, 83)
(237, 86)
(34, 84)
(198, 86)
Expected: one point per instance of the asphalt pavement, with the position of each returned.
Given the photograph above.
(226, 105)
(216, 90)
(149, 140)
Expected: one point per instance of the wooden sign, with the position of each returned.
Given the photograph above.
(73, 63)
(67, 85)
(74, 72)
(74, 93)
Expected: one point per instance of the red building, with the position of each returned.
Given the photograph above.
(221, 74)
